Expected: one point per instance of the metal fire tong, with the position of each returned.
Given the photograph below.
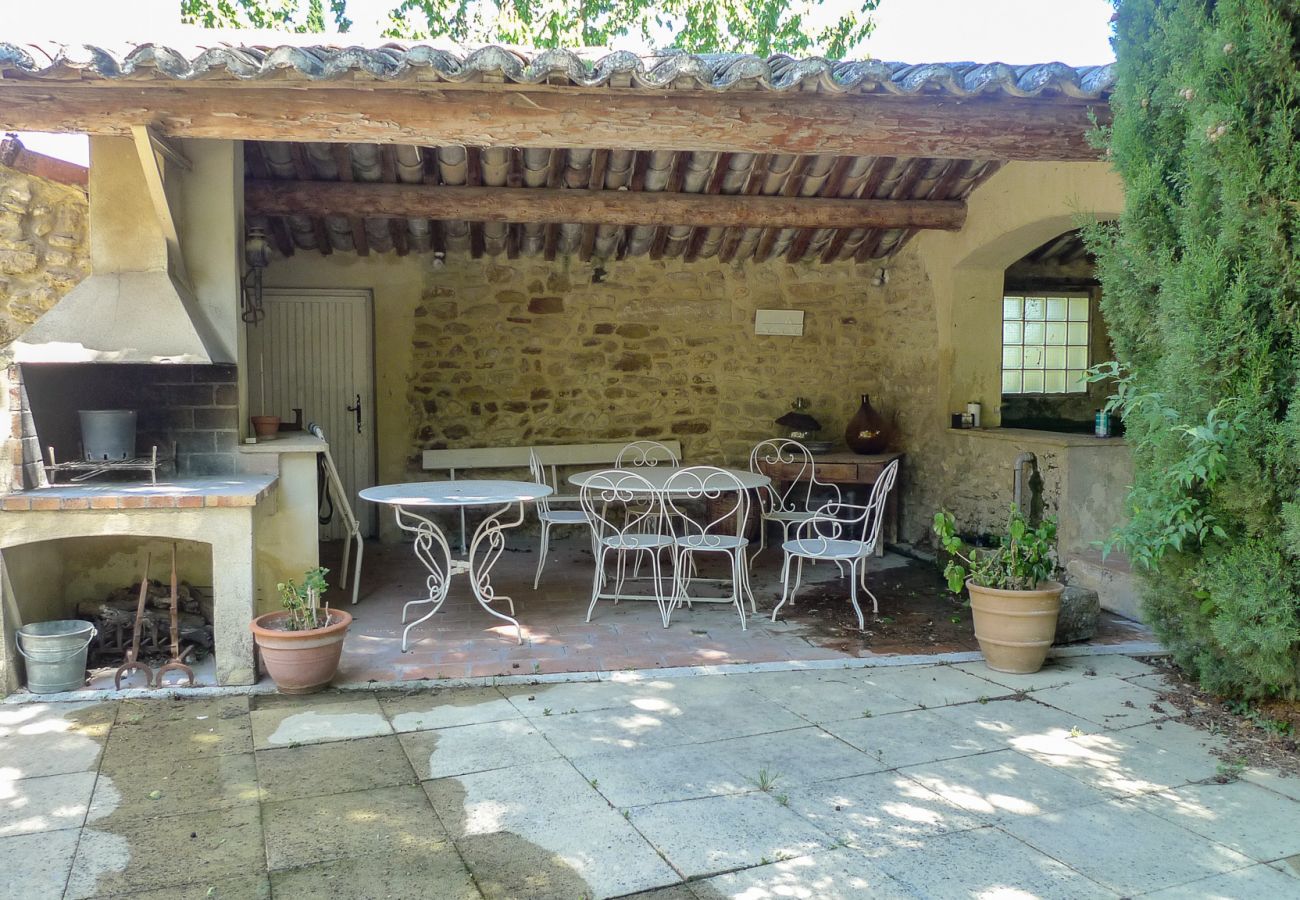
(132, 662)
(177, 661)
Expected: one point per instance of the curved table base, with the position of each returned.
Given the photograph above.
(434, 553)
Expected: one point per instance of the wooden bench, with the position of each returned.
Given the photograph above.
(553, 456)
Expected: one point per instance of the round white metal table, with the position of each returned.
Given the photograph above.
(432, 549)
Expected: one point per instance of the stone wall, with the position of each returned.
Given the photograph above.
(534, 352)
(43, 250)
(43, 253)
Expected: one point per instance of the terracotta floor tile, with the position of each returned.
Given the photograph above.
(463, 640)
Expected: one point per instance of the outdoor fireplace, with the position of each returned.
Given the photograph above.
(189, 413)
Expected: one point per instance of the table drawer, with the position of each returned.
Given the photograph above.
(869, 471)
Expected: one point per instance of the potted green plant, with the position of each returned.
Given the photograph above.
(1014, 598)
(302, 643)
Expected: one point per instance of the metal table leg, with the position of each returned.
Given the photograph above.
(434, 554)
(490, 541)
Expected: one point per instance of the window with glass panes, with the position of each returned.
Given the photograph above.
(1044, 344)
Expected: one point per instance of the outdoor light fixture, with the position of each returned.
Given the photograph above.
(257, 256)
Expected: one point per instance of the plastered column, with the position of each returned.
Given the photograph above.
(234, 593)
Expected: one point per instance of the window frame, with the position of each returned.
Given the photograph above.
(1022, 295)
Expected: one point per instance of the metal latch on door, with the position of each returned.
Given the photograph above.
(357, 409)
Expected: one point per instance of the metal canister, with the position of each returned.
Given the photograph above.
(1101, 424)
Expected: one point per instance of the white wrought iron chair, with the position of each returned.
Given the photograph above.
(788, 501)
(701, 502)
(639, 454)
(548, 515)
(844, 533)
(627, 519)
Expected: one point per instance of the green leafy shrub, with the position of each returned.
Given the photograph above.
(1201, 296)
(1023, 557)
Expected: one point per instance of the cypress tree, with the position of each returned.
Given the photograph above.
(1199, 277)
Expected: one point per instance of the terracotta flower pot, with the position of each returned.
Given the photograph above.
(301, 662)
(266, 427)
(1015, 628)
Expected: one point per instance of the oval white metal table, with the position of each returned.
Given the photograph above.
(432, 549)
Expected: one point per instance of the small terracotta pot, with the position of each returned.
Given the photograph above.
(301, 662)
(1015, 628)
(266, 427)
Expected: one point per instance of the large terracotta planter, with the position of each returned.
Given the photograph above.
(301, 662)
(1015, 628)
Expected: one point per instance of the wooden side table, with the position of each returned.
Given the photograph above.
(849, 469)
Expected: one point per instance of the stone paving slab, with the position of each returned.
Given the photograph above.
(909, 738)
(662, 775)
(162, 786)
(1125, 848)
(1110, 702)
(447, 709)
(647, 788)
(45, 803)
(337, 720)
(1251, 883)
(1134, 761)
(53, 739)
(718, 834)
(37, 865)
(544, 830)
(125, 853)
(334, 768)
(410, 875)
(381, 822)
(821, 697)
(1251, 820)
(475, 748)
(830, 875)
(987, 863)
(880, 812)
(1003, 786)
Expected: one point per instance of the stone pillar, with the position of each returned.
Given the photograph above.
(233, 598)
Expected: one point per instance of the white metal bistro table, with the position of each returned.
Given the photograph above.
(657, 479)
(432, 549)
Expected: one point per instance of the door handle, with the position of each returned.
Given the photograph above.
(356, 408)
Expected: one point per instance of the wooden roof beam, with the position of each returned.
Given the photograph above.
(651, 208)
(1045, 129)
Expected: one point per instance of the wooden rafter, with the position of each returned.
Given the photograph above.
(1048, 128)
(674, 186)
(302, 169)
(698, 235)
(343, 162)
(554, 178)
(867, 191)
(831, 187)
(599, 163)
(657, 208)
(473, 178)
(791, 187)
(388, 173)
(255, 159)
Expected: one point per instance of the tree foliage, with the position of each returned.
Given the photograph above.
(699, 26)
(1203, 304)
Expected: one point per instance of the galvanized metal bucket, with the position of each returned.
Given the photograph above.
(55, 654)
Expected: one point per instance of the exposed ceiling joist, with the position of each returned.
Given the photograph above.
(502, 204)
(944, 127)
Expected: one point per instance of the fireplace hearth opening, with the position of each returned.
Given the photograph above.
(186, 420)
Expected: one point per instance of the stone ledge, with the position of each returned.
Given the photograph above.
(1033, 436)
(189, 493)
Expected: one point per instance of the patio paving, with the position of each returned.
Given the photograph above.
(916, 617)
(904, 781)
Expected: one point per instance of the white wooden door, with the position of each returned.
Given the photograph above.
(314, 351)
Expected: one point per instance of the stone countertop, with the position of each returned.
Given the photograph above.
(1034, 436)
(295, 442)
(179, 493)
